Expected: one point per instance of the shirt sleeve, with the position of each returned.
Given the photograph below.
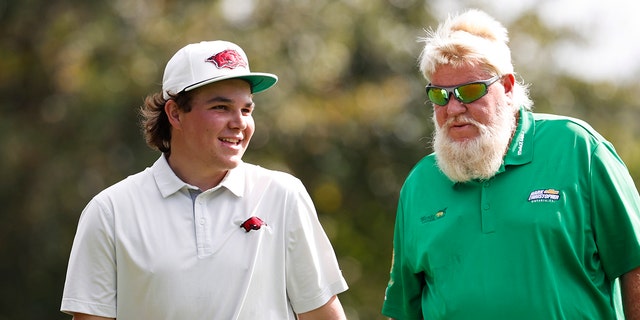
(615, 212)
(90, 285)
(313, 274)
(404, 291)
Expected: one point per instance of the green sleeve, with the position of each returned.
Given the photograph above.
(615, 210)
(404, 291)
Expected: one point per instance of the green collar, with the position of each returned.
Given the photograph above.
(521, 149)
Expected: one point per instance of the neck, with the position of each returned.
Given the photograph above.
(190, 171)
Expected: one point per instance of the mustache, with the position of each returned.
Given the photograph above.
(461, 119)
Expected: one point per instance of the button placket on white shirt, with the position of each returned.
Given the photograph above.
(203, 234)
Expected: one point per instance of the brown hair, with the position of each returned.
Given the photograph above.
(154, 122)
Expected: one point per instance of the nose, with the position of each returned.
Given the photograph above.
(455, 107)
(238, 120)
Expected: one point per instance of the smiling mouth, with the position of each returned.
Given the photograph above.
(231, 140)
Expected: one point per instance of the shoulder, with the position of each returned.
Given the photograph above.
(126, 187)
(274, 178)
(567, 132)
(425, 170)
(426, 167)
(559, 125)
(100, 212)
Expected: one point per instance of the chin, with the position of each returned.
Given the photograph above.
(233, 163)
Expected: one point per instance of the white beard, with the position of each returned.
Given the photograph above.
(478, 158)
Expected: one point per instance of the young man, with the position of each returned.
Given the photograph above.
(515, 215)
(201, 234)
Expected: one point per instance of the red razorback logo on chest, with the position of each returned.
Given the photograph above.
(227, 59)
(253, 223)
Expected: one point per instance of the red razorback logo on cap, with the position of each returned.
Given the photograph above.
(227, 59)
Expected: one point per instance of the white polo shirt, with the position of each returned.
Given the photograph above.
(144, 249)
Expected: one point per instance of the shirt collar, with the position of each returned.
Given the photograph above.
(235, 180)
(521, 149)
(168, 182)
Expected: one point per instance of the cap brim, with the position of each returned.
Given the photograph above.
(258, 81)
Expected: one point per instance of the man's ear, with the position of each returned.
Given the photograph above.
(173, 113)
(508, 81)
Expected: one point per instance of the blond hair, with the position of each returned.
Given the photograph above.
(475, 39)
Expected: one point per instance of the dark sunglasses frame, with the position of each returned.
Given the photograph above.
(455, 90)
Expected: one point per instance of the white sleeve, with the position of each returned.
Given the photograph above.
(313, 274)
(90, 285)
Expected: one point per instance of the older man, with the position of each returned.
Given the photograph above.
(516, 215)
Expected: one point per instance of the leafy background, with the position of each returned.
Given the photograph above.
(348, 116)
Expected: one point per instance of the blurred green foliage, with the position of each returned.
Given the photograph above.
(348, 117)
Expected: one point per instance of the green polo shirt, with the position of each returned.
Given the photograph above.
(545, 238)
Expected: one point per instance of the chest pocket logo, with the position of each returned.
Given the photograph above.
(433, 217)
(544, 195)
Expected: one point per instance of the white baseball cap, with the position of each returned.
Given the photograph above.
(202, 63)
